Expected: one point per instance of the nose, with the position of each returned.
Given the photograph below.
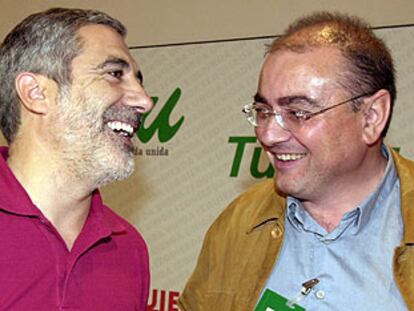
(272, 133)
(136, 96)
(280, 121)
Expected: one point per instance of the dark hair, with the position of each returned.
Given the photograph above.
(44, 43)
(368, 62)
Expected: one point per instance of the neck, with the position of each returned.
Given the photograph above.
(62, 198)
(344, 195)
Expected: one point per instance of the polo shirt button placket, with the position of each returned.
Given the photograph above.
(46, 223)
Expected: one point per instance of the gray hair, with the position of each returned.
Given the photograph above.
(43, 43)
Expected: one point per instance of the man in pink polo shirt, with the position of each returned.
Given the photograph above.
(71, 100)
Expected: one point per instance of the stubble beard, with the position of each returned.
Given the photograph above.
(87, 149)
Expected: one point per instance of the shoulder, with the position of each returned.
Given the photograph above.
(404, 166)
(258, 204)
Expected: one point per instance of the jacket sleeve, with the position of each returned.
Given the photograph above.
(229, 273)
(194, 295)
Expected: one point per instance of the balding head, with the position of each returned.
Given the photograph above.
(367, 61)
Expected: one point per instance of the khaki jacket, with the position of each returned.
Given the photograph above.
(242, 245)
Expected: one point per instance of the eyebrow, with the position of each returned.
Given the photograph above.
(258, 98)
(287, 100)
(110, 61)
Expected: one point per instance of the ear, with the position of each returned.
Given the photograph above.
(34, 91)
(376, 113)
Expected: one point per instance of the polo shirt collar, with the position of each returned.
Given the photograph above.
(14, 199)
(103, 215)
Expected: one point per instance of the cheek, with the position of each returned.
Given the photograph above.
(313, 135)
(321, 139)
(101, 90)
(335, 142)
(109, 92)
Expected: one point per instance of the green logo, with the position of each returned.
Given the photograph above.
(161, 123)
(241, 142)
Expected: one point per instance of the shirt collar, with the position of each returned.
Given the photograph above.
(362, 213)
(102, 216)
(14, 199)
(382, 191)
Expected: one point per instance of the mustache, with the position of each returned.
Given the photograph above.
(123, 113)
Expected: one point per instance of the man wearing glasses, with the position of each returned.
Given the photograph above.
(333, 231)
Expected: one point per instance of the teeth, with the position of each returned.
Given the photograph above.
(289, 156)
(120, 126)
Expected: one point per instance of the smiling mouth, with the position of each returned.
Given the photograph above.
(289, 156)
(122, 128)
(122, 120)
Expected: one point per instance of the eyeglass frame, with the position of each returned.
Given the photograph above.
(247, 110)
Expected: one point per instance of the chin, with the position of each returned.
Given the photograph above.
(126, 170)
(116, 168)
(289, 187)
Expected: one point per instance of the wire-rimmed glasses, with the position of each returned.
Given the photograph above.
(260, 115)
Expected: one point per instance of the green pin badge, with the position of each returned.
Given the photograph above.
(272, 301)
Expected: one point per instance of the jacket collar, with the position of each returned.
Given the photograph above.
(270, 205)
(405, 170)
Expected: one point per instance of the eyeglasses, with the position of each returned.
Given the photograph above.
(259, 115)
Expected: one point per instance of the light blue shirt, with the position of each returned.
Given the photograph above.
(353, 262)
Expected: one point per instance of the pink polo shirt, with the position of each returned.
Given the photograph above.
(107, 268)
